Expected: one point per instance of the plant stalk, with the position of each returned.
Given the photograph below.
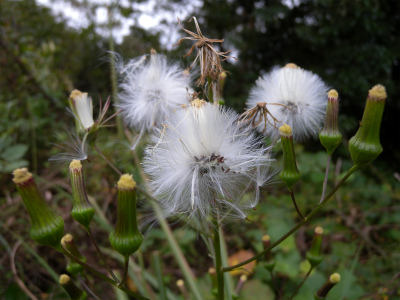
(326, 178)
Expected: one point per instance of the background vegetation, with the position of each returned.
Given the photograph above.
(352, 45)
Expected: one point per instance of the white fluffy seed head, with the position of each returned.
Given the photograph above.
(151, 88)
(203, 161)
(295, 97)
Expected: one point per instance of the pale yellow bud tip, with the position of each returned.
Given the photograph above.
(222, 75)
(75, 164)
(76, 94)
(64, 279)
(378, 92)
(333, 94)
(21, 175)
(291, 65)
(243, 278)
(319, 230)
(153, 51)
(266, 238)
(126, 182)
(198, 103)
(335, 278)
(211, 271)
(180, 283)
(67, 238)
(285, 130)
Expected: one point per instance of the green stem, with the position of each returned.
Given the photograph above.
(158, 270)
(126, 265)
(326, 178)
(101, 254)
(298, 225)
(218, 262)
(102, 276)
(210, 90)
(187, 273)
(107, 160)
(295, 205)
(224, 258)
(300, 285)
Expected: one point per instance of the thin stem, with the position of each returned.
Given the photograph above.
(158, 270)
(301, 283)
(87, 288)
(101, 255)
(84, 141)
(218, 262)
(107, 160)
(102, 276)
(295, 205)
(326, 178)
(298, 225)
(126, 265)
(275, 284)
(176, 250)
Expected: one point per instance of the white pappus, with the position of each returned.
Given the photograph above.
(293, 96)
(151, 88)
(203, 162)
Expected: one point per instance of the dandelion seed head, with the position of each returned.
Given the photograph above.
(151, 88)
(293, 96)
(203, 161)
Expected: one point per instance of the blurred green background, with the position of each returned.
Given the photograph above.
(352, 45)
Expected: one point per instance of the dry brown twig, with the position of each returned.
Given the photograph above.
(208, 57)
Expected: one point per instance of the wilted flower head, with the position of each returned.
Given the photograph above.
(293, 96)
(82, 108)
(151, 89)
(209, 58)
(204, 161)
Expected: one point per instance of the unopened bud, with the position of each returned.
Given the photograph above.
(328, 285)
(82, 108)
(68, 243)
(289, 174)
(126, 238)
(82, 210)
(47, 228)
(73, 291)
(269, 259)
(181, 286)
(242, 280)
(330, 136)
(314, 255)
(365, 146)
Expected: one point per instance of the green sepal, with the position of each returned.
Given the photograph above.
(289, 174)
(365, 145)
(126, 238)
(74, 268)
(314, 260)
(329, 141)
(270, 265)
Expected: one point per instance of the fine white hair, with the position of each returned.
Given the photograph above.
(151, 88)
(203, 162)
(295, 97)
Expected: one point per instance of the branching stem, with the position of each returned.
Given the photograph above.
(295, 205)
(301, 283)
(298, 225)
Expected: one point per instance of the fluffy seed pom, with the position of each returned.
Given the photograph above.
(293, 96)
(205, 162)
(151, 89)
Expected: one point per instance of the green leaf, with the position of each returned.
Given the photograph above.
(256, 290)
(14, 152)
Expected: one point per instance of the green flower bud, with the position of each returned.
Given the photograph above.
(314, 255)
(269, 259)
(330, 136)
(333, 280)
(290, 174)
(126, 238)
(73, 291)
(47, 228)
(68, 243)
(82, 210)
(365, 146)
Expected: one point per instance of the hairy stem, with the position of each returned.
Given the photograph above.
(298, 225)
(326, 178)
